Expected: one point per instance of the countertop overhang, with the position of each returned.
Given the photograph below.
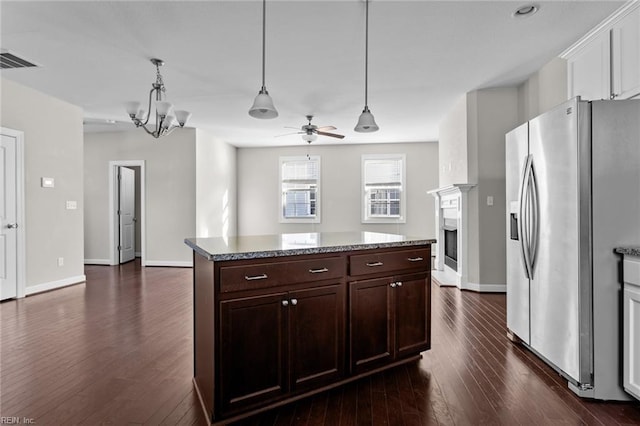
(629, 250)
(277, 245)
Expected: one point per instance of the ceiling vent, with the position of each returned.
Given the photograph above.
(8, 60)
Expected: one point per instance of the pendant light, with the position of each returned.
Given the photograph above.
(263, 104)
(366, 122)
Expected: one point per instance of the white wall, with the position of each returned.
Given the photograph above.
(52, 148)
(216, 188)
(453, 146)
(474, 130)
(170, 169)
(258, 188)
(543, 90)
(495, 113)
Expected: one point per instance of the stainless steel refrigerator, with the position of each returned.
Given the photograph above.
(573, 195)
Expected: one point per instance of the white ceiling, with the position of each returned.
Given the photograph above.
(423, 56)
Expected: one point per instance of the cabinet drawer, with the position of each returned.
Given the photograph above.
(271, 274)
(377, 263)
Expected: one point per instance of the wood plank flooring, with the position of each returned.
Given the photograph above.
(118, 350)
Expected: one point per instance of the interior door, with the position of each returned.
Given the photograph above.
(8, 219)
(127, 213)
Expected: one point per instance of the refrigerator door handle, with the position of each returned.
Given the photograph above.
(523, 222)
(535, 219)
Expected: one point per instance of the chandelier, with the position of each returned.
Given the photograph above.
(165, 123)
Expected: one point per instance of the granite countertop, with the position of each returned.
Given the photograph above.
(629, 250)
(262, 246)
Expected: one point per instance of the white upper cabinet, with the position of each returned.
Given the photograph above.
(625, 56)
(590, 71)
(606, 63)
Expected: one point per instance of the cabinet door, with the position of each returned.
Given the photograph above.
(371, 323)
(632, 339)
(412, 298)
(589, 70)
(317, 335)
(626, 56)
(252, 351)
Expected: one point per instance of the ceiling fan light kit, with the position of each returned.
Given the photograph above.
(263, 104)
(366, 122)
(164, 123)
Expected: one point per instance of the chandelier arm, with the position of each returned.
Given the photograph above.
(154, 134)
(149, 109)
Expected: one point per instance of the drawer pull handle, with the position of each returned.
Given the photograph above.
(415, 259)
(372, 264)
(256, 277)
(318, 271)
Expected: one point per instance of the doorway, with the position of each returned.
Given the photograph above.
(12, 222)
(127, 229)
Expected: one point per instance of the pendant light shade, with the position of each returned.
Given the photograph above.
(366, 122)
(263, 104)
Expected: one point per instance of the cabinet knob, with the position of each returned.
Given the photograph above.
(12, 226)
(285, 303)
(393, 285)
(294, 302)
(399, 283)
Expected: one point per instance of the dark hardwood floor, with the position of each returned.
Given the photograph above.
(118, 350)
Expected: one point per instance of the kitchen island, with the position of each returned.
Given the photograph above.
(281, 317)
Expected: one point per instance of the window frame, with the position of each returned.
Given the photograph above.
(364, 214)
(314, 219)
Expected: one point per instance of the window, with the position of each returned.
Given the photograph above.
(383, 188)
(300, 189)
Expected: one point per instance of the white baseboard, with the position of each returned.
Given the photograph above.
(176, 263)
(52, 285)
(486, 288)
(97, 262)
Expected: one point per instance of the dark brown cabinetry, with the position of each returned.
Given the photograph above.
(271, 331)
(270, 344)
(389, 319)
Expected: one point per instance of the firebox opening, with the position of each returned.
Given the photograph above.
(451, 248)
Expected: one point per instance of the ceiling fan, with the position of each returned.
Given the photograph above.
(310, 131)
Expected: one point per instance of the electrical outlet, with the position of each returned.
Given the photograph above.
(61, 261)
(489, 200)
(72, 205)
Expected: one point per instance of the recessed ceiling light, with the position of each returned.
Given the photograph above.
(525, 11)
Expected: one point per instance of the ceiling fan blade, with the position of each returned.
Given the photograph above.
(331, 135)
(289, 127)
(324, 128)
(287, 134)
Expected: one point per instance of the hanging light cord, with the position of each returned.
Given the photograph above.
(264, 20)
(366, 54)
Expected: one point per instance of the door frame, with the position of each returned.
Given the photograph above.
(20, 211)
(114, 257)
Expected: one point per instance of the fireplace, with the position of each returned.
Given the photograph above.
(451, 262)
(451, 248)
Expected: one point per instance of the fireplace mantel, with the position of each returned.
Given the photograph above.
(452, 197)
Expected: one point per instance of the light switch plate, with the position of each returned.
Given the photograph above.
(489, 200)
(72, 205)
(47, 182)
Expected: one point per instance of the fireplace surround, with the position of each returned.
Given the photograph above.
(450, 267)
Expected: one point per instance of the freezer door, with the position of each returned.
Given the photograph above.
(516, 151)
(559, 143)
